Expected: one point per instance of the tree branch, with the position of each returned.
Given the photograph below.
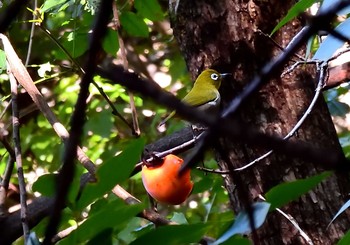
(18, 156)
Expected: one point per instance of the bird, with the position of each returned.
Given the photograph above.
(204, 94)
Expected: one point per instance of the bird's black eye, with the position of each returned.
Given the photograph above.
(214, 76)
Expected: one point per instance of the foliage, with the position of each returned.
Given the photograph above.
(153, 53)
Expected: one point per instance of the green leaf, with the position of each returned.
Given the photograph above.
(76, 43)
(338, 108)
(111, 42)
(237, 240)
(173, 234)
(287, 192)
(149, 9)
(104, 237)
(33, 239)
(134, 24)
(53, 4)
(45, 184)
(242, 223)
(345, 240)
(179, 218)
(2, 61)
(111, 173)
(298, 8)
(113, 215)
(100, 125)
(75, 185)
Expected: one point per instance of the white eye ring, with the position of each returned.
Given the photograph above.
(214, 76)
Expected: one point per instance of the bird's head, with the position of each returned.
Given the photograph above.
(210, 77)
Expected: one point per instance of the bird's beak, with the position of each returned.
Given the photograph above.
(225, 75)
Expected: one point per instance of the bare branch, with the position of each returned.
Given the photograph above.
(18, 155)
(5, 184)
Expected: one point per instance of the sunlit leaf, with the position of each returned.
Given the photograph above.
(33, 239)
(297, 9)
(338, 108)
(331, 44)
(2, 61)
(53, 4)
(287, 192)
(242, 224)
(341, 210)
(179, 218)
(46, 67)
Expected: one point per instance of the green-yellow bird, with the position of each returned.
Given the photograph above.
(204, 94)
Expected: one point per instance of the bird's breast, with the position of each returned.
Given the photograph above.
(211, 107)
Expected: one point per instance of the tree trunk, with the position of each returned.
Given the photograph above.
(228, 35)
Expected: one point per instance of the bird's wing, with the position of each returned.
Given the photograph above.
(200, 98)
(194, 100)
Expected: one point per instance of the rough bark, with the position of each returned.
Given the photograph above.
(227, 35)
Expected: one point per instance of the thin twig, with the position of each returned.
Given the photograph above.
(316, 62)
(277, 44)
(7, 174)
(18, 155)
(298, 63)
(213, 171)
(136, 128)
(5, 109)
(30, 44)
(5, 184)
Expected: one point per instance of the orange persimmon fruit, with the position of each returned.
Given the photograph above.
(163, 183)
